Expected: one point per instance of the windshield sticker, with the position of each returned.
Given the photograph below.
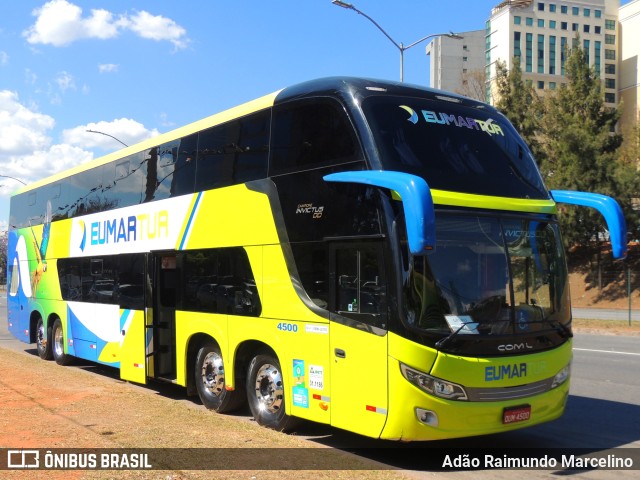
(462, 324)
(487, 126)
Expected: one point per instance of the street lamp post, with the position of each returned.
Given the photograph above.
(13, 178)
(102, 133)
(400, 46)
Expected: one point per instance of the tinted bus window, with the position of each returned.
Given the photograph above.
(113, 279)
(311, 134)
(219, 281)
(184, 174)
(83, 194)
(124, 181)
(171, 168)
(234, 152)
(452, 146)
(201, 280)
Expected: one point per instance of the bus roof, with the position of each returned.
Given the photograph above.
(215, 119)
(347, 88)
(361, 88)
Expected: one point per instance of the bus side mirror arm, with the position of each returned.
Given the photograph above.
(417, 202)
(610, 210)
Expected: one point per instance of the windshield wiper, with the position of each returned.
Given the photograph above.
(444, 341)
(560, 327)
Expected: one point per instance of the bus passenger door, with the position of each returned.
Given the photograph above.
(132, 361)
(161, 317)
(358, 338)
(129, 293)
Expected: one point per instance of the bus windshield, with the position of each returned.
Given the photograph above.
(489, 276)
(453, 147)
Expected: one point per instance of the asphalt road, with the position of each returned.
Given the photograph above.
(603, 413)
(605, 314)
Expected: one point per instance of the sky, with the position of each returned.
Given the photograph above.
(136, 68)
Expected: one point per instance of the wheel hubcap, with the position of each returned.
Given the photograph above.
(213, 373)
(58, 342)
(269, 388)
(41, 341)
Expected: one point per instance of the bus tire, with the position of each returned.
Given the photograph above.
(211, 384)
(265, 393)
(43, 341)
(57, 340)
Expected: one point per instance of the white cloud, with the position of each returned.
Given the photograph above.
(21, 129)
(30, 77)
(60, 23)
(4, 58)
(157, 27)
(108, 68)
(65, 81)
(27, 151)
(165, 122)
(125, 130)
(53, 159)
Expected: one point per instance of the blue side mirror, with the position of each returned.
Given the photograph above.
(609, 209)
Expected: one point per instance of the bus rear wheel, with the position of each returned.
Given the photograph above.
(265, 393)
(211, 384)
(42, 341)
(57, 335)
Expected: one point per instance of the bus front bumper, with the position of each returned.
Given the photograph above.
(417, 415)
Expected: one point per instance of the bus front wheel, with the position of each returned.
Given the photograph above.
(57, 335)
(265, 392)
(43, 343)
(210, 381)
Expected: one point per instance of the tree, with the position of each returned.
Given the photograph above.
(629, 152)
(580, 149)
(473, 84)
(520, 103)
(629, 157)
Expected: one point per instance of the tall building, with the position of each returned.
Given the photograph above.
(629, 83)
(457, 64)
(538, 34)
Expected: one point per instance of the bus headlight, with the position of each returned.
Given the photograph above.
(433, 385)
(561, 376)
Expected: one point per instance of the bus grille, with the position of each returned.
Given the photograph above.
(508, 393)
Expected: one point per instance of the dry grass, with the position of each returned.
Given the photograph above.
(606, 327)
(48, 406)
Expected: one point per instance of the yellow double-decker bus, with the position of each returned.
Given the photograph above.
(379, 257)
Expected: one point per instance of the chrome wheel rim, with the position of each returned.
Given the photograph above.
(58, 342)
(40, 337)
(212, 373)
(269, 388)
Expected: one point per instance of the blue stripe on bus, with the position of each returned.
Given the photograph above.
(190, 222)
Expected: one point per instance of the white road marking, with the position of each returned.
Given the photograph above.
(606, 351)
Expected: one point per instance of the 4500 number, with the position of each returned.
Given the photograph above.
(288, 327)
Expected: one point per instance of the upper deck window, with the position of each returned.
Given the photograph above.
(454, 148)
(310, 134)
(234, 152)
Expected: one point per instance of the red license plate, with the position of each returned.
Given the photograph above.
(516, 414)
